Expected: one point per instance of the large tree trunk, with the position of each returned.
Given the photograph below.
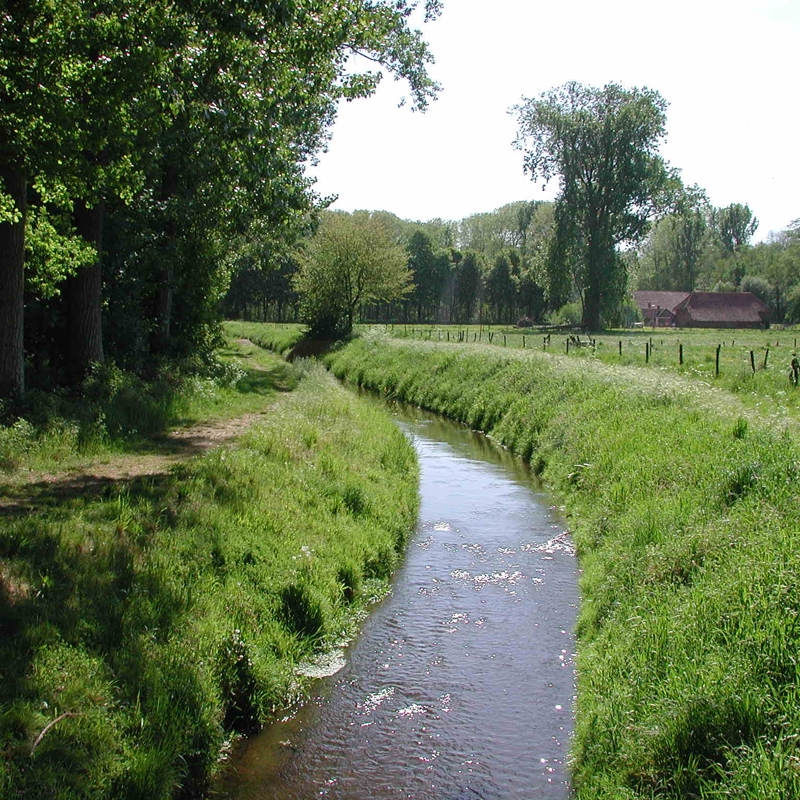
(84, 298)
(593, 295)
(12, 289)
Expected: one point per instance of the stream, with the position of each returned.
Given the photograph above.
(462, 681)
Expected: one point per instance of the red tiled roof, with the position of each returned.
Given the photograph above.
(724, 307)
(668, 300)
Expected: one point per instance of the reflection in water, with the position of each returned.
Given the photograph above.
(461, 684)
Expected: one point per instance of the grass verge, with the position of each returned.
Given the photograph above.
(686, 513)
(144, 625)
(755, 365)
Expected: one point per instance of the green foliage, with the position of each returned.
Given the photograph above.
(54, 252)
(166, 120)
(352, 259)
(673, 255)
(430, 271)
(501, 287)
(467, 286)
(734, 225)
(683, 505)
(163, 614)
(568, 314)
(602, 145)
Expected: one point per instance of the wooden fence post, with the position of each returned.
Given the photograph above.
(680, 353)
(753, 361)
(766, 356)
(716, 366)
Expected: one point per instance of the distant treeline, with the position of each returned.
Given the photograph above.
(496, 268)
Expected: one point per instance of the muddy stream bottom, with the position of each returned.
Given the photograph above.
(462, 682)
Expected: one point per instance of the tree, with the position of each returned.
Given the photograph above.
(175, 134)
(735, 226)
(352, 259)
(602, 145)
(467, 287)
(430, 270)
(673, 253)
(500, 285)
(31, 88)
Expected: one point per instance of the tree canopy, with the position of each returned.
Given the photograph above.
(602, 146)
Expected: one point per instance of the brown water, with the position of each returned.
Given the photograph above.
(461, 683)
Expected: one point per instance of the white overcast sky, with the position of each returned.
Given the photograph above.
(728, 69)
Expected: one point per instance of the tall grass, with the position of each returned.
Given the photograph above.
(143, 624)
(684, 506)
(660, 350)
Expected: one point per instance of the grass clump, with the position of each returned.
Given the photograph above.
(684, 507)
(143, 623)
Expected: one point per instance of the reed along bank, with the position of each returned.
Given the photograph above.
(144, 623)
(686, 513)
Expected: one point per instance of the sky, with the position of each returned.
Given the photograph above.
(728, 69)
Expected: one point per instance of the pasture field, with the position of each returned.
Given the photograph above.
(684, 501)
(146, 622)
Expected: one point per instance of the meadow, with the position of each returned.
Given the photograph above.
(683, 500)
(146, 623)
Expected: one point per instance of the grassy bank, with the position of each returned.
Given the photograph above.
(755, 365)
(143, 622)
(280, 338)
(686, 512)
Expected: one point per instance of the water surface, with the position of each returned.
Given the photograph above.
(461, 683)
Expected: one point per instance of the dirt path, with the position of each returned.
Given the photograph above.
(26, 490)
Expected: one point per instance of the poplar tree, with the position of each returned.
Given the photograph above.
(602, 146)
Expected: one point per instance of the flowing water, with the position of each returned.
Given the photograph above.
(461, 683)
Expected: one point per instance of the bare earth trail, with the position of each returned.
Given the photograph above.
(26, 490)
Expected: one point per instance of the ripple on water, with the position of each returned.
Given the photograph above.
(456, 689)
(375, 700)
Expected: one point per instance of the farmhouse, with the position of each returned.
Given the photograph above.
(703, 309)
(657, 307)
(722, 310)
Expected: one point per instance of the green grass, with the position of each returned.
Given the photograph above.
(119, 412)
(684, 503)
(659, 350)
(280, 337)
(143, 623)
